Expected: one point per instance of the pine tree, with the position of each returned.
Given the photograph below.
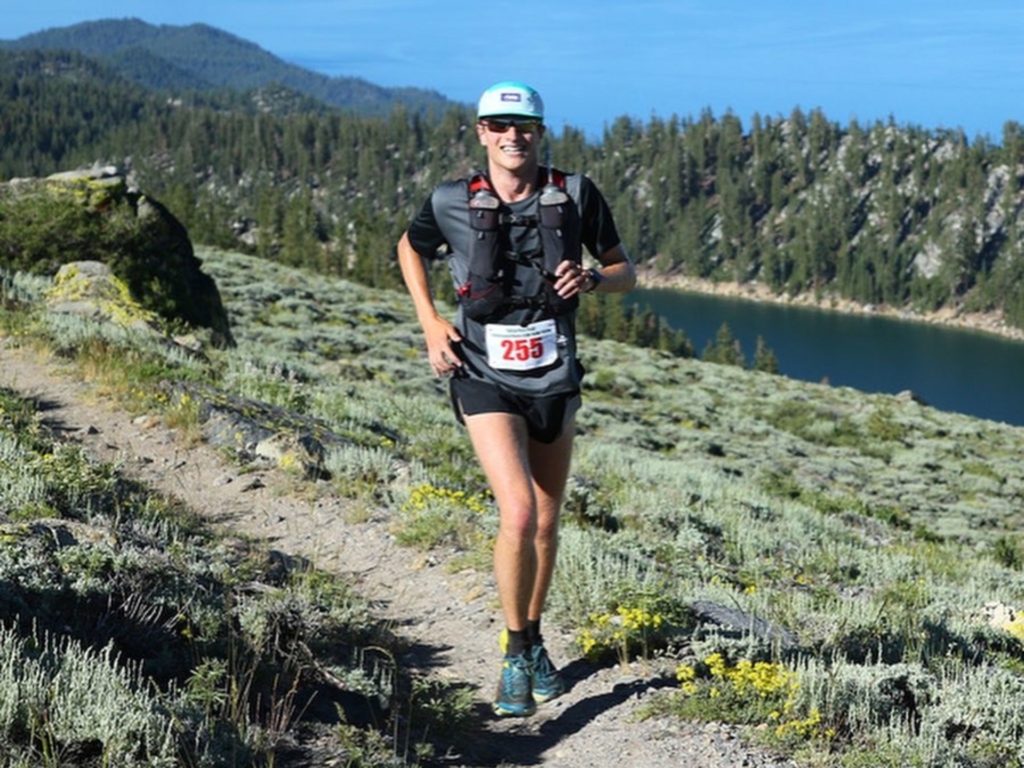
(725, 348)
(764, 357)
(300, 245)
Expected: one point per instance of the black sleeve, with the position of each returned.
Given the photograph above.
(599, 232)
(424, 233)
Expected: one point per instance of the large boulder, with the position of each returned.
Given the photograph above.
(94, 215)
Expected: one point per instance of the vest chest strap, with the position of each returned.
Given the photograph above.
(518, 219)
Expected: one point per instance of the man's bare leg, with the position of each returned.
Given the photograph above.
(549, 463)
(502, 446)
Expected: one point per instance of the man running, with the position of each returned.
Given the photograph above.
(514, 238)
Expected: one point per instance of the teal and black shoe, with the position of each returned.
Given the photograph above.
(515, 689)
(548, 682)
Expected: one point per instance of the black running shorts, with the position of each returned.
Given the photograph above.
(546, 417)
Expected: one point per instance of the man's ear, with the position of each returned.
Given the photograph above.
(480, 131)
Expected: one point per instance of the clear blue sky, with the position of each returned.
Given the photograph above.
(932, 63)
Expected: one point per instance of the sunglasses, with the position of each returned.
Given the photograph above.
(496, 125)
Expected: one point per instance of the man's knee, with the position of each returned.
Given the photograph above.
(547, 530)
(519, 521)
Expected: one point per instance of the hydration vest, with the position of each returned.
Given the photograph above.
(494, 287)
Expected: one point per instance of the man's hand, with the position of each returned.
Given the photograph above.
(440, 334)
(441, 338)
(570, 279)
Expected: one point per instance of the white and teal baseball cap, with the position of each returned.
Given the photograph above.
(510, 98)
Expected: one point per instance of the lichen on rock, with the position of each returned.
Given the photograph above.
(90, 289)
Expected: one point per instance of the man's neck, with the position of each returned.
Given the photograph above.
(513, 185)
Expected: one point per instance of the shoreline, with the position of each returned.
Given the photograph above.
(985, 322)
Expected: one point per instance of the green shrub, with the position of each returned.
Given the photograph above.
(56, 694)
(1007, 550)
(434, 516)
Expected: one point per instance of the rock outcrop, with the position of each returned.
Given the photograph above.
(94, 215)
(256, 430)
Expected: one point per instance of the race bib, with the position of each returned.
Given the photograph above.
(522, 347)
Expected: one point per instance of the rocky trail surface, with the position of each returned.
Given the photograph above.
(449, 620)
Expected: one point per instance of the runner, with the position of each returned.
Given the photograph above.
(514, 237)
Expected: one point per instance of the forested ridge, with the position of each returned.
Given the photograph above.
(204, 58)
(882, 213)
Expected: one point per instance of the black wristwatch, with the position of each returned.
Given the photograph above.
(596, 278)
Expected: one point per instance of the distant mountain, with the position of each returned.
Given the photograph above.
(200, 57)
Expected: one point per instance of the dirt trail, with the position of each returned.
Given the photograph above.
(449, 619)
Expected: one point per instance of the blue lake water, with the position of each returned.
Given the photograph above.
(952, 369)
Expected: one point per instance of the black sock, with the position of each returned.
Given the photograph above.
(533, 632)
(517, 642)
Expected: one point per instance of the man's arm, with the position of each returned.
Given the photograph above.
(616, 275)
(601, 238)
(438, 332)
(617, 272)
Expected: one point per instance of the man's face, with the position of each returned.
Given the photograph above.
(511, 143)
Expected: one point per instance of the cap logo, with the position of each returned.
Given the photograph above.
(507, 96)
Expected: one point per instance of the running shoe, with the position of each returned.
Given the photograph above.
(548, 682)
(514, 697)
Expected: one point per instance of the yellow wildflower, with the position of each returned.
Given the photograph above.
(685, 673)
(716, 665)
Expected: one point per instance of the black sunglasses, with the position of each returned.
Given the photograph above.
(499, 125)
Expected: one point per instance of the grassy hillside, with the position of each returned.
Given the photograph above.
(838, 570)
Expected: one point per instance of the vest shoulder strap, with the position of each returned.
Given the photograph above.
(557, 177)
(478, 181)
